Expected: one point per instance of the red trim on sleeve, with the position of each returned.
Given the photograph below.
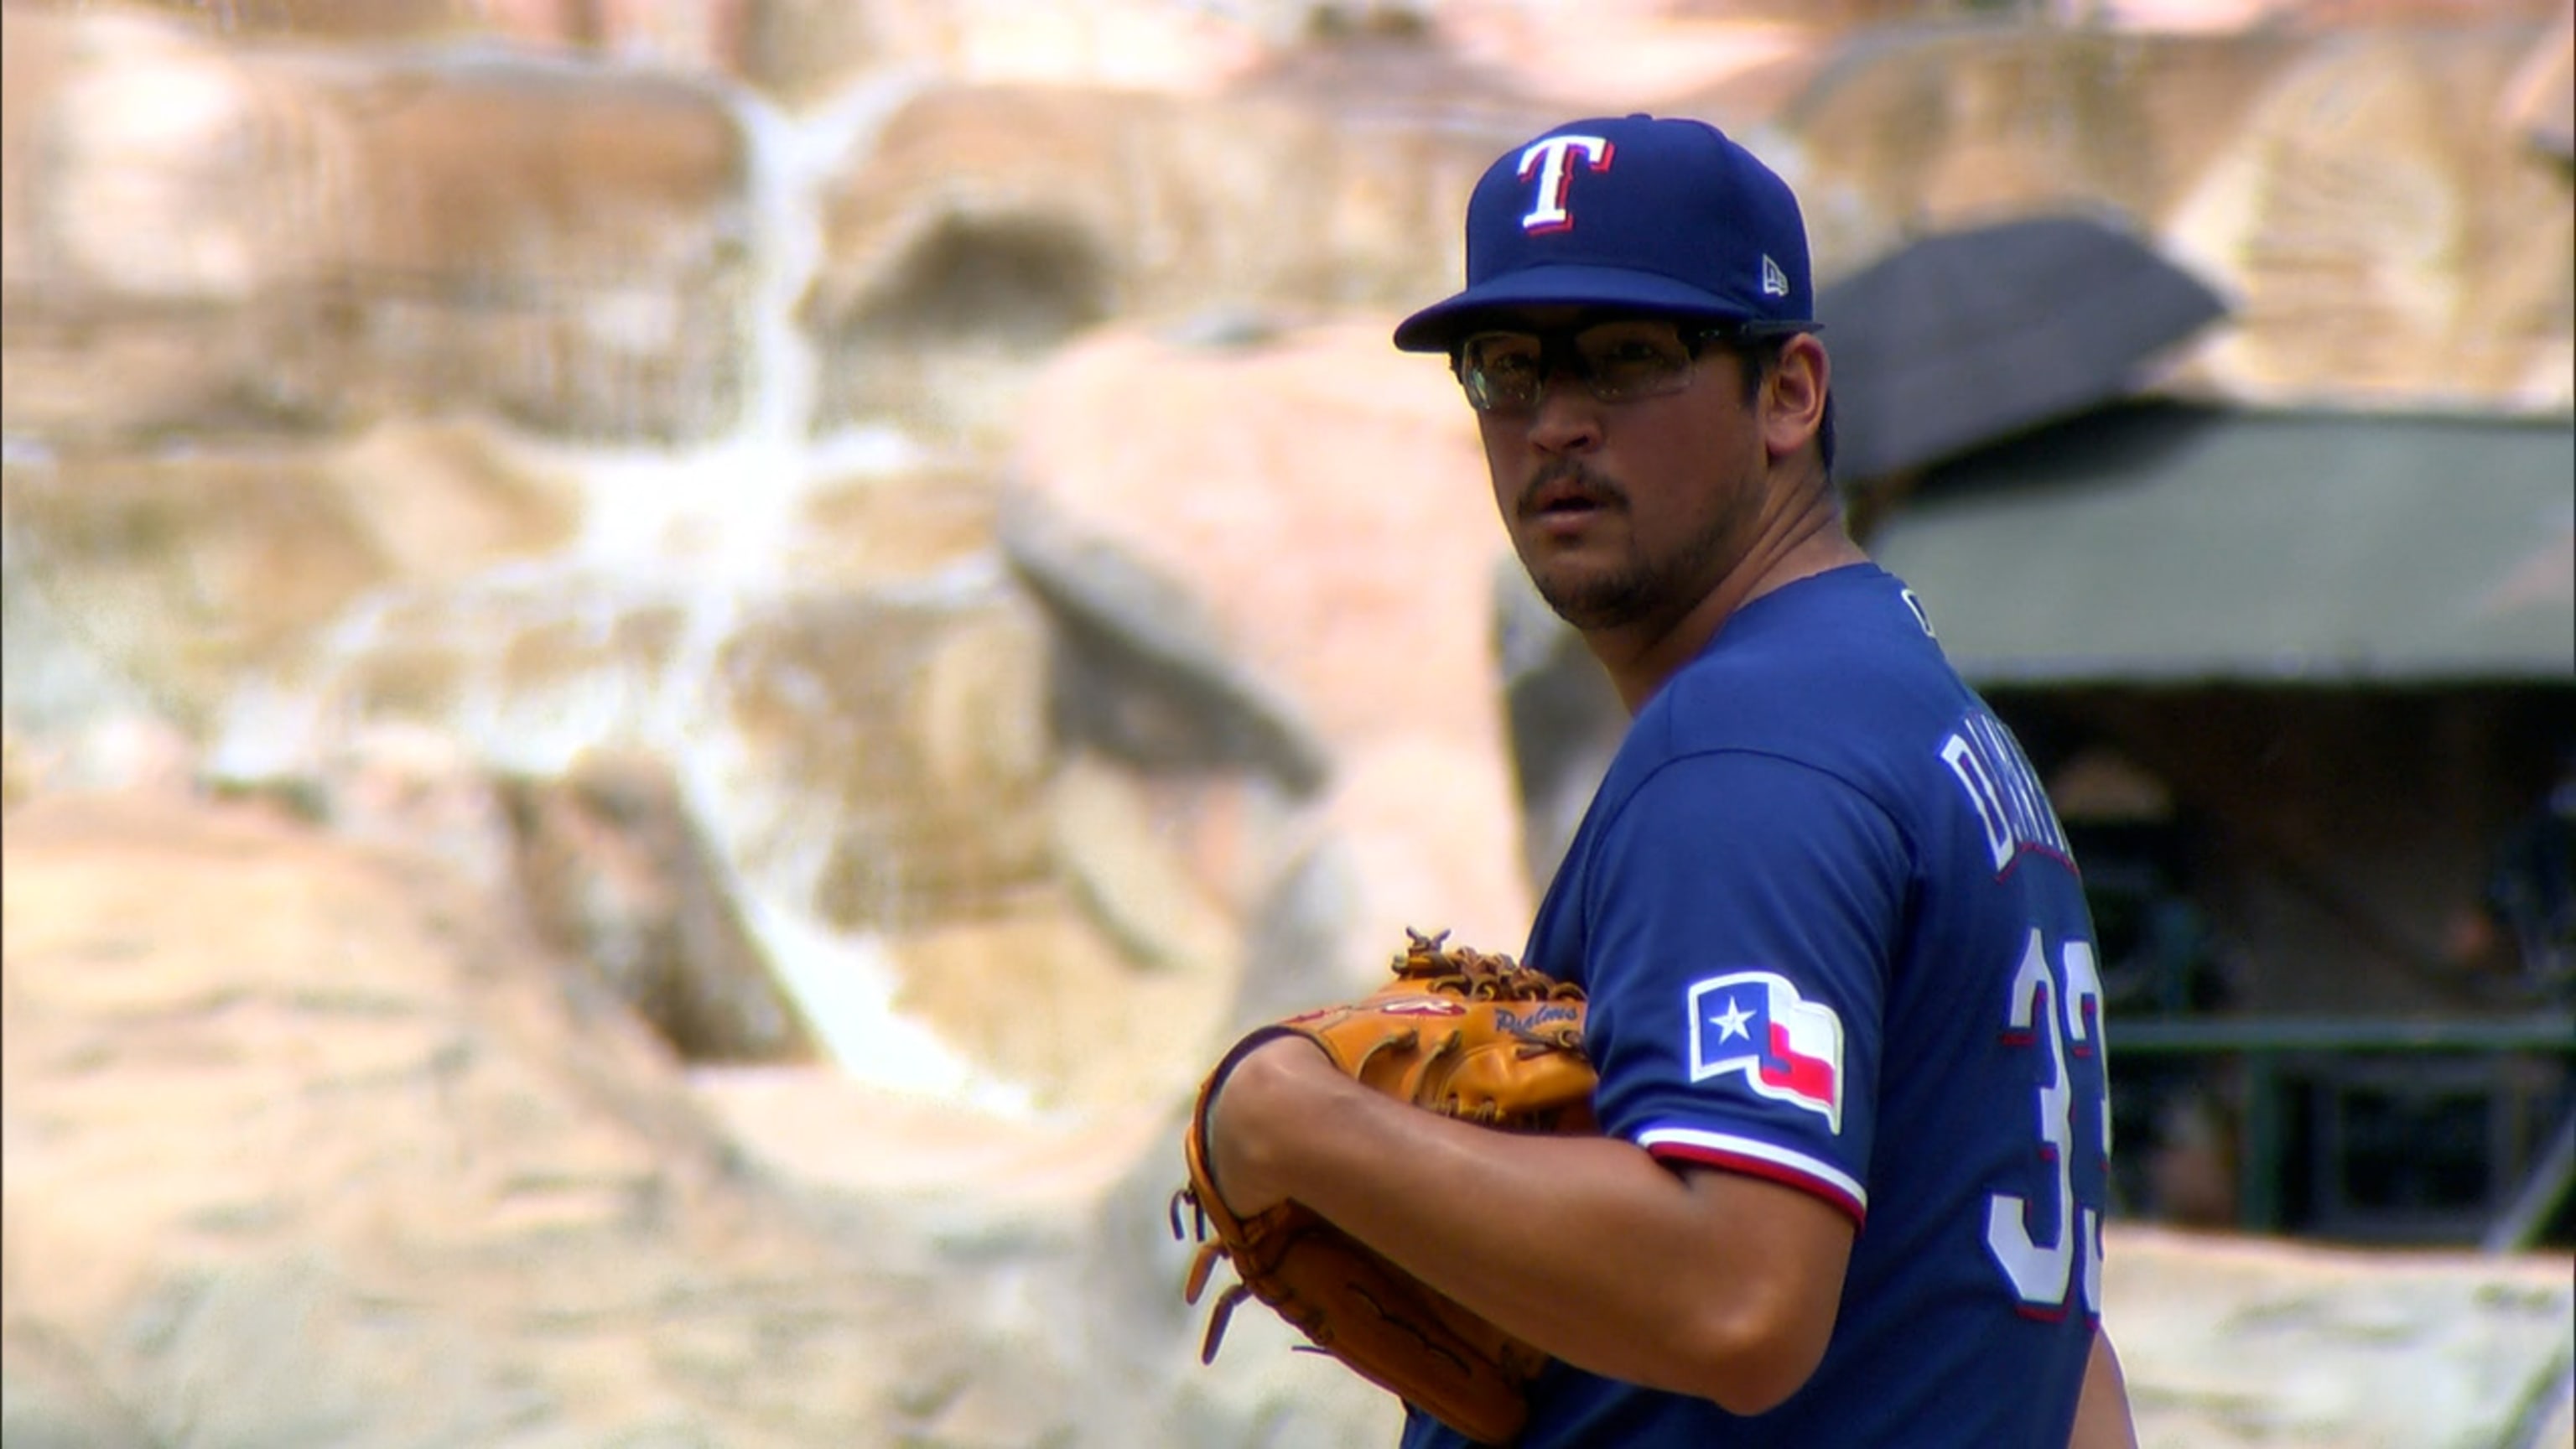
(1770, 1171)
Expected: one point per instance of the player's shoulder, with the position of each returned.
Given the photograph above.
(1840, 663)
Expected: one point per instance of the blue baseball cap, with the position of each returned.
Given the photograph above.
(1655, 214)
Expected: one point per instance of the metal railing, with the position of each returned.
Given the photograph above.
(2262, 1043)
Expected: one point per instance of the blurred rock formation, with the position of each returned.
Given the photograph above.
(359, 1168)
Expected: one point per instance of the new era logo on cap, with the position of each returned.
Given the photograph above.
(1640, 213)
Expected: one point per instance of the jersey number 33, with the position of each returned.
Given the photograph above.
(2049, 1243)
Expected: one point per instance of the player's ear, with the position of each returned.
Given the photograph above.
(1792, 398)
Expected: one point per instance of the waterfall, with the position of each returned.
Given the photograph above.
(690, 535)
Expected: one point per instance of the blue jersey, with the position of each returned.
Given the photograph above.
(1833, 937)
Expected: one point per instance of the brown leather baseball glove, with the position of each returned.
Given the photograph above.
(1459, 1032)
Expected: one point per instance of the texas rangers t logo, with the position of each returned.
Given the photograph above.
(1789, 1049)
(1547, 161)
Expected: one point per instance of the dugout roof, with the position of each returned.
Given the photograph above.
(2160, 542)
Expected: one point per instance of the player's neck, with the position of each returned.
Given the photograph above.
(1804, 543)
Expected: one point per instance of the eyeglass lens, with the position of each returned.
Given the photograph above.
(1614, 361)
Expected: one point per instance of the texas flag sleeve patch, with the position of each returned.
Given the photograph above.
(1786, 1048)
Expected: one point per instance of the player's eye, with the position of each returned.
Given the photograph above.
(1502, 369)
(1631, 359)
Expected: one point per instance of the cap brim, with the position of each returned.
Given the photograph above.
(1434, 327)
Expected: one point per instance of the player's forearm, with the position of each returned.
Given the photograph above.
(1583, 1246)
(2102, 1418)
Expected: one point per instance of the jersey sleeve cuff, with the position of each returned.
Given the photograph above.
(1756, 1158)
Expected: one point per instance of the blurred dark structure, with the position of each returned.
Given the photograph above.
(1965, 336)
(2304, 686)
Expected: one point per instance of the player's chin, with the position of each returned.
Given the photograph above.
(1591, 595)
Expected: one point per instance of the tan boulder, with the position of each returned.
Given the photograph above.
(156, 189)
(442, 500)
(154, 166)
(1061, 1218)
(2386, 239)
(802, 52)
(858, 730)
(50, 1397)
(987, 225)
(616, 873)
(353, 20)
(121, 748)
(403, 787)
(909, 739)
(805, 52)
(37, 53)
(1127, 44)
(2389, 240)
(1322, 502)
(307, 1143)
(603, 861)
(874, 759)
(2540, 101)
(1617, 56)
(2232, 1341)
(21, 772)
(562, 247)
(871, 529)
(181, 572)
(805, 1120)
(2557, 1426)
(1948, 129)
(1040, 996)
(258, 1080)
(208, 237)
(1131, 862)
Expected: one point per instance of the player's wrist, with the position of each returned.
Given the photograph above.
(1260, 1091)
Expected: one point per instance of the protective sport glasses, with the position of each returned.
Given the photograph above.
(1616, 361)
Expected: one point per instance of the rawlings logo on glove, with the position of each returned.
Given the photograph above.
(1458, 1032)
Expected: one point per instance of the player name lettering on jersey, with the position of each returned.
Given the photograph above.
(2004, 791)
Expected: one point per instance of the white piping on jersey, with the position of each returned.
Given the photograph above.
(1760, 1151)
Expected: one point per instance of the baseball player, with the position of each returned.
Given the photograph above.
(1843, 998)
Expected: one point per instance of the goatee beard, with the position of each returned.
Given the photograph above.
(1644, 586)
(1603, 602)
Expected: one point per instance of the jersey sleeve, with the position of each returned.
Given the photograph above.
(1743, 910)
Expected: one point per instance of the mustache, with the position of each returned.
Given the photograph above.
(1563, 471)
